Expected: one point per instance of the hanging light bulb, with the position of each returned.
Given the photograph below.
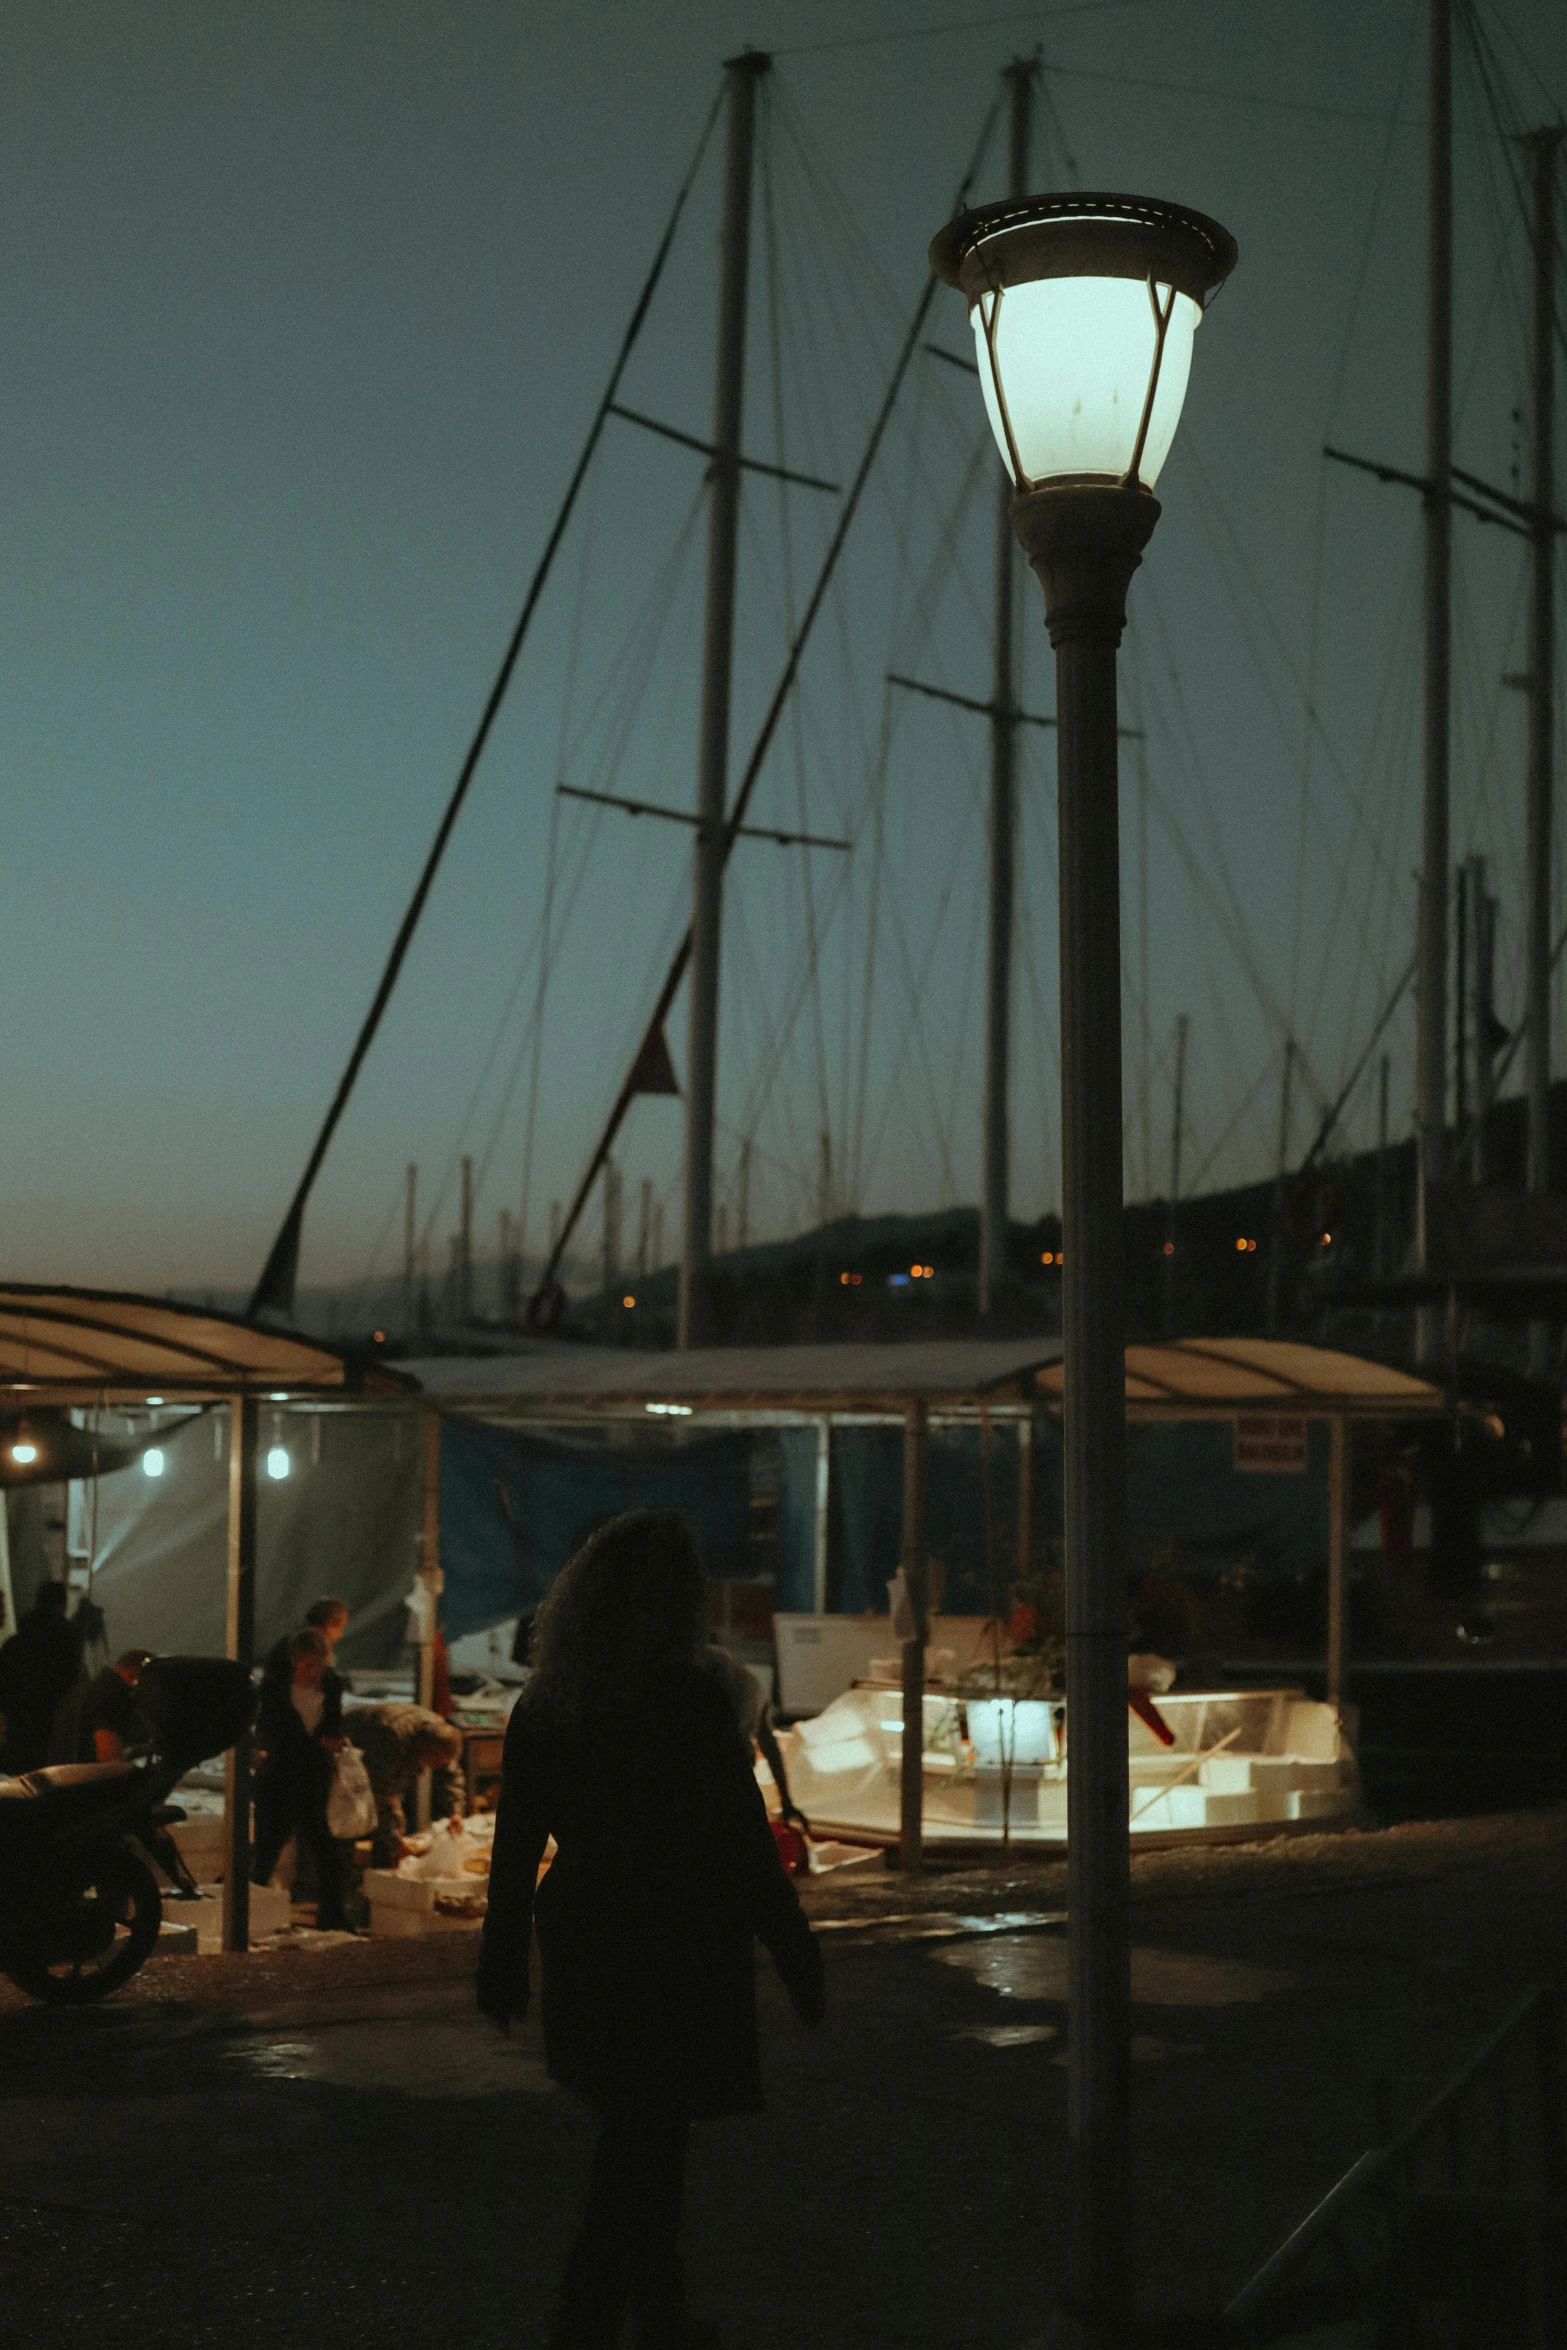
(153, 1463)
(23, 1450)
(278, 1461)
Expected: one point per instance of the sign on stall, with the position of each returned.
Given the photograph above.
(1274, 1442)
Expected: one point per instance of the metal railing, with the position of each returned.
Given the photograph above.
(1458, 2221)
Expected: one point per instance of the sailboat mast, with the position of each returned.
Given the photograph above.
(1543, 145)
(995, 1185)
(723, 532)
(1431, 947)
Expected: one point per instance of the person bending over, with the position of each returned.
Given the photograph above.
(663, 1875)
(100, 1718)
(398, 1742)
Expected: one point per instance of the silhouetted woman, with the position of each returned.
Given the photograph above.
(665, 1872)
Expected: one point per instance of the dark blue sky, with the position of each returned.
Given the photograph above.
(302, 316)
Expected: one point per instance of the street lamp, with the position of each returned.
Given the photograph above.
(1084, 310)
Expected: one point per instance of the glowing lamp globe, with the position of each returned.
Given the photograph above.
(1084, 310)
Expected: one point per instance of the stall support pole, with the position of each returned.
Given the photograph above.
(911, 1789)
(244, 1421)
(430, 1577)
(822, 1518)
(1338, 1515)
(1025, 1497)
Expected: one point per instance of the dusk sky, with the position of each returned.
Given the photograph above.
(303, 316)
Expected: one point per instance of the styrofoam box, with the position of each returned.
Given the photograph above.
(1238, 1774)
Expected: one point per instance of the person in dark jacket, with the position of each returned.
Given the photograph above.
(329, 1617)
(99, 1719)
(40, 1665)
(299, 1728)
(664, 1874)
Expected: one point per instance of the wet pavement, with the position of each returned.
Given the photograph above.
(333, 2146)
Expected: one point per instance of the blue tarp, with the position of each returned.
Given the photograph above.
(514, 1508)
(1183, 1489)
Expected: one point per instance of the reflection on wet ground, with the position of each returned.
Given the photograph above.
(1006, 2035)
(929, 1925)
(457, 2059)
(1034, 1966)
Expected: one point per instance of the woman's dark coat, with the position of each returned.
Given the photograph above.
(296, 1759)
(665, 1872)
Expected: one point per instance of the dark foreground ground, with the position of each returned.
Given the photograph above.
(329, 2149)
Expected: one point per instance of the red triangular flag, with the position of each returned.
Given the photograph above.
(653, 1071)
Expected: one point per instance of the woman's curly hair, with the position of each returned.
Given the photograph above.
(625, 1616)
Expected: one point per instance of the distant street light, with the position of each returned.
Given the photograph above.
(1084, 310)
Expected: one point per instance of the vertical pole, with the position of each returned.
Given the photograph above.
(1338, 1532)
(911, 1789)
(723, 527)
(1276, 1254)
(1025, 1495)
(1177, 1120)
(823, 1519)
(240, 1644)
(1484, 911)
(465, 1248)
(1380, 1259)
(1085, 545)
(1462, 1007)
(1542, 661)
(644, 1227)
(1431, 1072)
(745, 1194)
(995, 1183)
(824, 1182)
(430, 1576)
(410, 1245)
(611, 1253)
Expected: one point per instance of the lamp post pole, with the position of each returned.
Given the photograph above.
(1075, 300)
(1084, 545)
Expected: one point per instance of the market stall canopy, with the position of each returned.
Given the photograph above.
(567, 1380)
(1187, 1378)
(95, 1345)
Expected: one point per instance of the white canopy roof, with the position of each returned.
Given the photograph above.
(1187, 1378)
(861, 1377)
(1191, 1377)
(70, 1345)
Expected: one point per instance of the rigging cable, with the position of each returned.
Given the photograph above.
(273, 1295)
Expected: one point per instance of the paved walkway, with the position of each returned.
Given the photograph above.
(308, 2147)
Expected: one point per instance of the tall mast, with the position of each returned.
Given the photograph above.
(465, 1248)
(1020, 76)
(410, 1243)
(1542, 629)
(1542, 660)
(1431, 945)
(1177, 1119)
(723, 529)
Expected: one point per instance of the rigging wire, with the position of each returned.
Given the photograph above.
(274, 1292)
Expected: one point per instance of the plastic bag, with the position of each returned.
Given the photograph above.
(350, 1808)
